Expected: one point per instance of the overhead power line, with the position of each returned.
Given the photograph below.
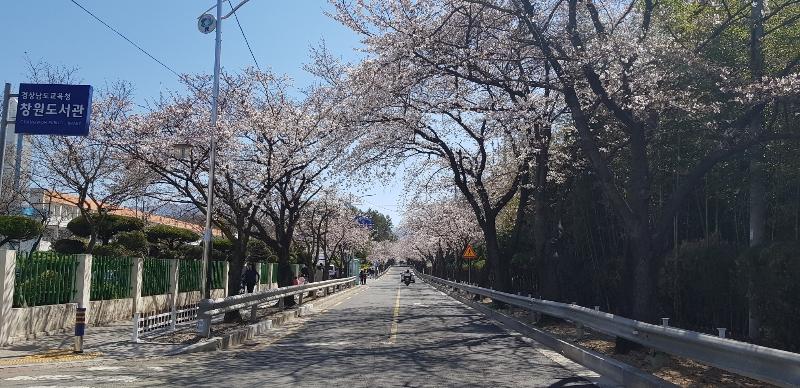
(246, 41)
(128, 40)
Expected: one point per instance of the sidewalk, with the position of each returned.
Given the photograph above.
(106, 342)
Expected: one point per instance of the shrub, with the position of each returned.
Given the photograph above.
(114, 249)
(108, 225)
(171, 236)
(135, 242)
(69, 246)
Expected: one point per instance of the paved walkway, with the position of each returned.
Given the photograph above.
(384, 334)
(112, 342)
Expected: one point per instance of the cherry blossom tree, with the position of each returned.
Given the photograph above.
(89, 172)
(628, 81)
(447, 85)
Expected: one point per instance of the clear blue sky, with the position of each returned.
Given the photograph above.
(280, 33)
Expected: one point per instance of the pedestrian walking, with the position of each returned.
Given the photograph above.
(250, 277)
(363, 276)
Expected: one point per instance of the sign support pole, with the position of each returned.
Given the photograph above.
(18, 162)
(3, 126)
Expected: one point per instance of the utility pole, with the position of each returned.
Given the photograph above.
(207, 236)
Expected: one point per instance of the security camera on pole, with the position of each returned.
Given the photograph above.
(207, 23)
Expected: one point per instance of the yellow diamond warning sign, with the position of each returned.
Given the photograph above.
(469, 253)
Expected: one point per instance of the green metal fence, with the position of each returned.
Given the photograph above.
(44, 278)
(189, 276)
(217, 274)
(111, 277)
(274, 272)
(155, 277)
(264, 268)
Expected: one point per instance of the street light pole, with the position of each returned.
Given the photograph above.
(210, 194)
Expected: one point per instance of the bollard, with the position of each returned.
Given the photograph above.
(80, 328)
(596, 308)
(721, 331)
(664, 322)
(579, 330)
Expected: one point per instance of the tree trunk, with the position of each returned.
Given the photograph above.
(285, 272)
(499, 264)
(235, 277)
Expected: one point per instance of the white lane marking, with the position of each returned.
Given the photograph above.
(110, 379)
(99, 368)
(156, 368)
(341, 343)
(420, 304)
(43, 377)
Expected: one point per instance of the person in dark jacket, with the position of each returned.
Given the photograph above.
(250, 277)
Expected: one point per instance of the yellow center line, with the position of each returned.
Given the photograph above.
(393, 333)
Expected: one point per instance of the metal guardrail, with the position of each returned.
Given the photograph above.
(208, 308)
(759, 362)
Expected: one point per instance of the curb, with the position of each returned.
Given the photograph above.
(621, 373)
(238, 337)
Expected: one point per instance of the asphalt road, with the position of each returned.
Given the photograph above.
(384, 334)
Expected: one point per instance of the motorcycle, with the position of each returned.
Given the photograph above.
(407, 279)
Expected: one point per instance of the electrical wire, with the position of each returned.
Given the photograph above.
(246, 41)
(128, 40)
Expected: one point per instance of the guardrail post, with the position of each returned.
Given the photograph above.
(225, 276)
(136, 283)
(258, 271)
(8, 264)
(203, 318)
(721, 332)
(135, 336)
(173, 291)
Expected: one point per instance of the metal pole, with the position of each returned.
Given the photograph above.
(3, 125)
(210, 195)
(18, 164)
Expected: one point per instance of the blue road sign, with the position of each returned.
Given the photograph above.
(365, 221)
(53, 109)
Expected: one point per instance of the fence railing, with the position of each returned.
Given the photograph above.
(208, 308)
(145, 325)
(111, 277)
(155, 276)
(217, 274)
(189, 276)
(44, 278)
(758, 362)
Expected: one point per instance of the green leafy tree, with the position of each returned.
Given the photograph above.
(18, 228)
(381, 226)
